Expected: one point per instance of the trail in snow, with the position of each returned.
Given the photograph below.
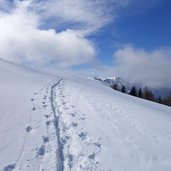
(59, 152)
(80, 151)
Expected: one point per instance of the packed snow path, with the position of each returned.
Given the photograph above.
(59, 152)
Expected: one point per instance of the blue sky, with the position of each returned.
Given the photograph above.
(148, 28)
(129, 38)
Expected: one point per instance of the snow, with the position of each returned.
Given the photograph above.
(23, 124)
(50, 122)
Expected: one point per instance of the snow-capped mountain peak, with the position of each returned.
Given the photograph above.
(111, 81)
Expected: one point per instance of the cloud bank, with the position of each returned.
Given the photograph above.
(149, 68)
(22, 39)
(138, 67)
(40, 32)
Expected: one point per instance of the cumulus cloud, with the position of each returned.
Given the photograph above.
(28, 30)
(150, 68)
(41, 32)
(22, 40)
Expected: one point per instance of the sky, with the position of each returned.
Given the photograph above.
(127, 38)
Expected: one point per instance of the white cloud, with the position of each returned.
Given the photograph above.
(23, 41)
(24, 36)
(88, 16)
(27, 29)
(137, 66)
(151, 68)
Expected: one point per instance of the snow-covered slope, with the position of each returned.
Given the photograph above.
(23, 96)
(70, 123)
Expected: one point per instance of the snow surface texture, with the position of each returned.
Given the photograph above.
(68, 123)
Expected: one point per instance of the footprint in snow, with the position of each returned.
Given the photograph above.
(41, 151)
(72, 114)
(9, 167)
(92, 156)
(44, 97)
(44, 106)
(29, 129)
(63, 103)
(83, 135)
(33, 109)
(47, 116)
(48, 123)
(82, 118)
(74, 124)
(97, 144)
(45, 139)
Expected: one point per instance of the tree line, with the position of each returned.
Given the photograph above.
(144, 93)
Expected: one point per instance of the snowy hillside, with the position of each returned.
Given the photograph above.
(63, 123)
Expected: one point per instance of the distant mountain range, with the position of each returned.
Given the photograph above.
(111, 81)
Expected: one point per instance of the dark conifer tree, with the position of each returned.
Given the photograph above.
(148, 95)
(160, 100)
(115, 86)
(123, 90)
(140, 93)
(167, 100)
(133, 91)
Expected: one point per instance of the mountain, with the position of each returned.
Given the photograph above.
(111, 81)
(65, 122)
